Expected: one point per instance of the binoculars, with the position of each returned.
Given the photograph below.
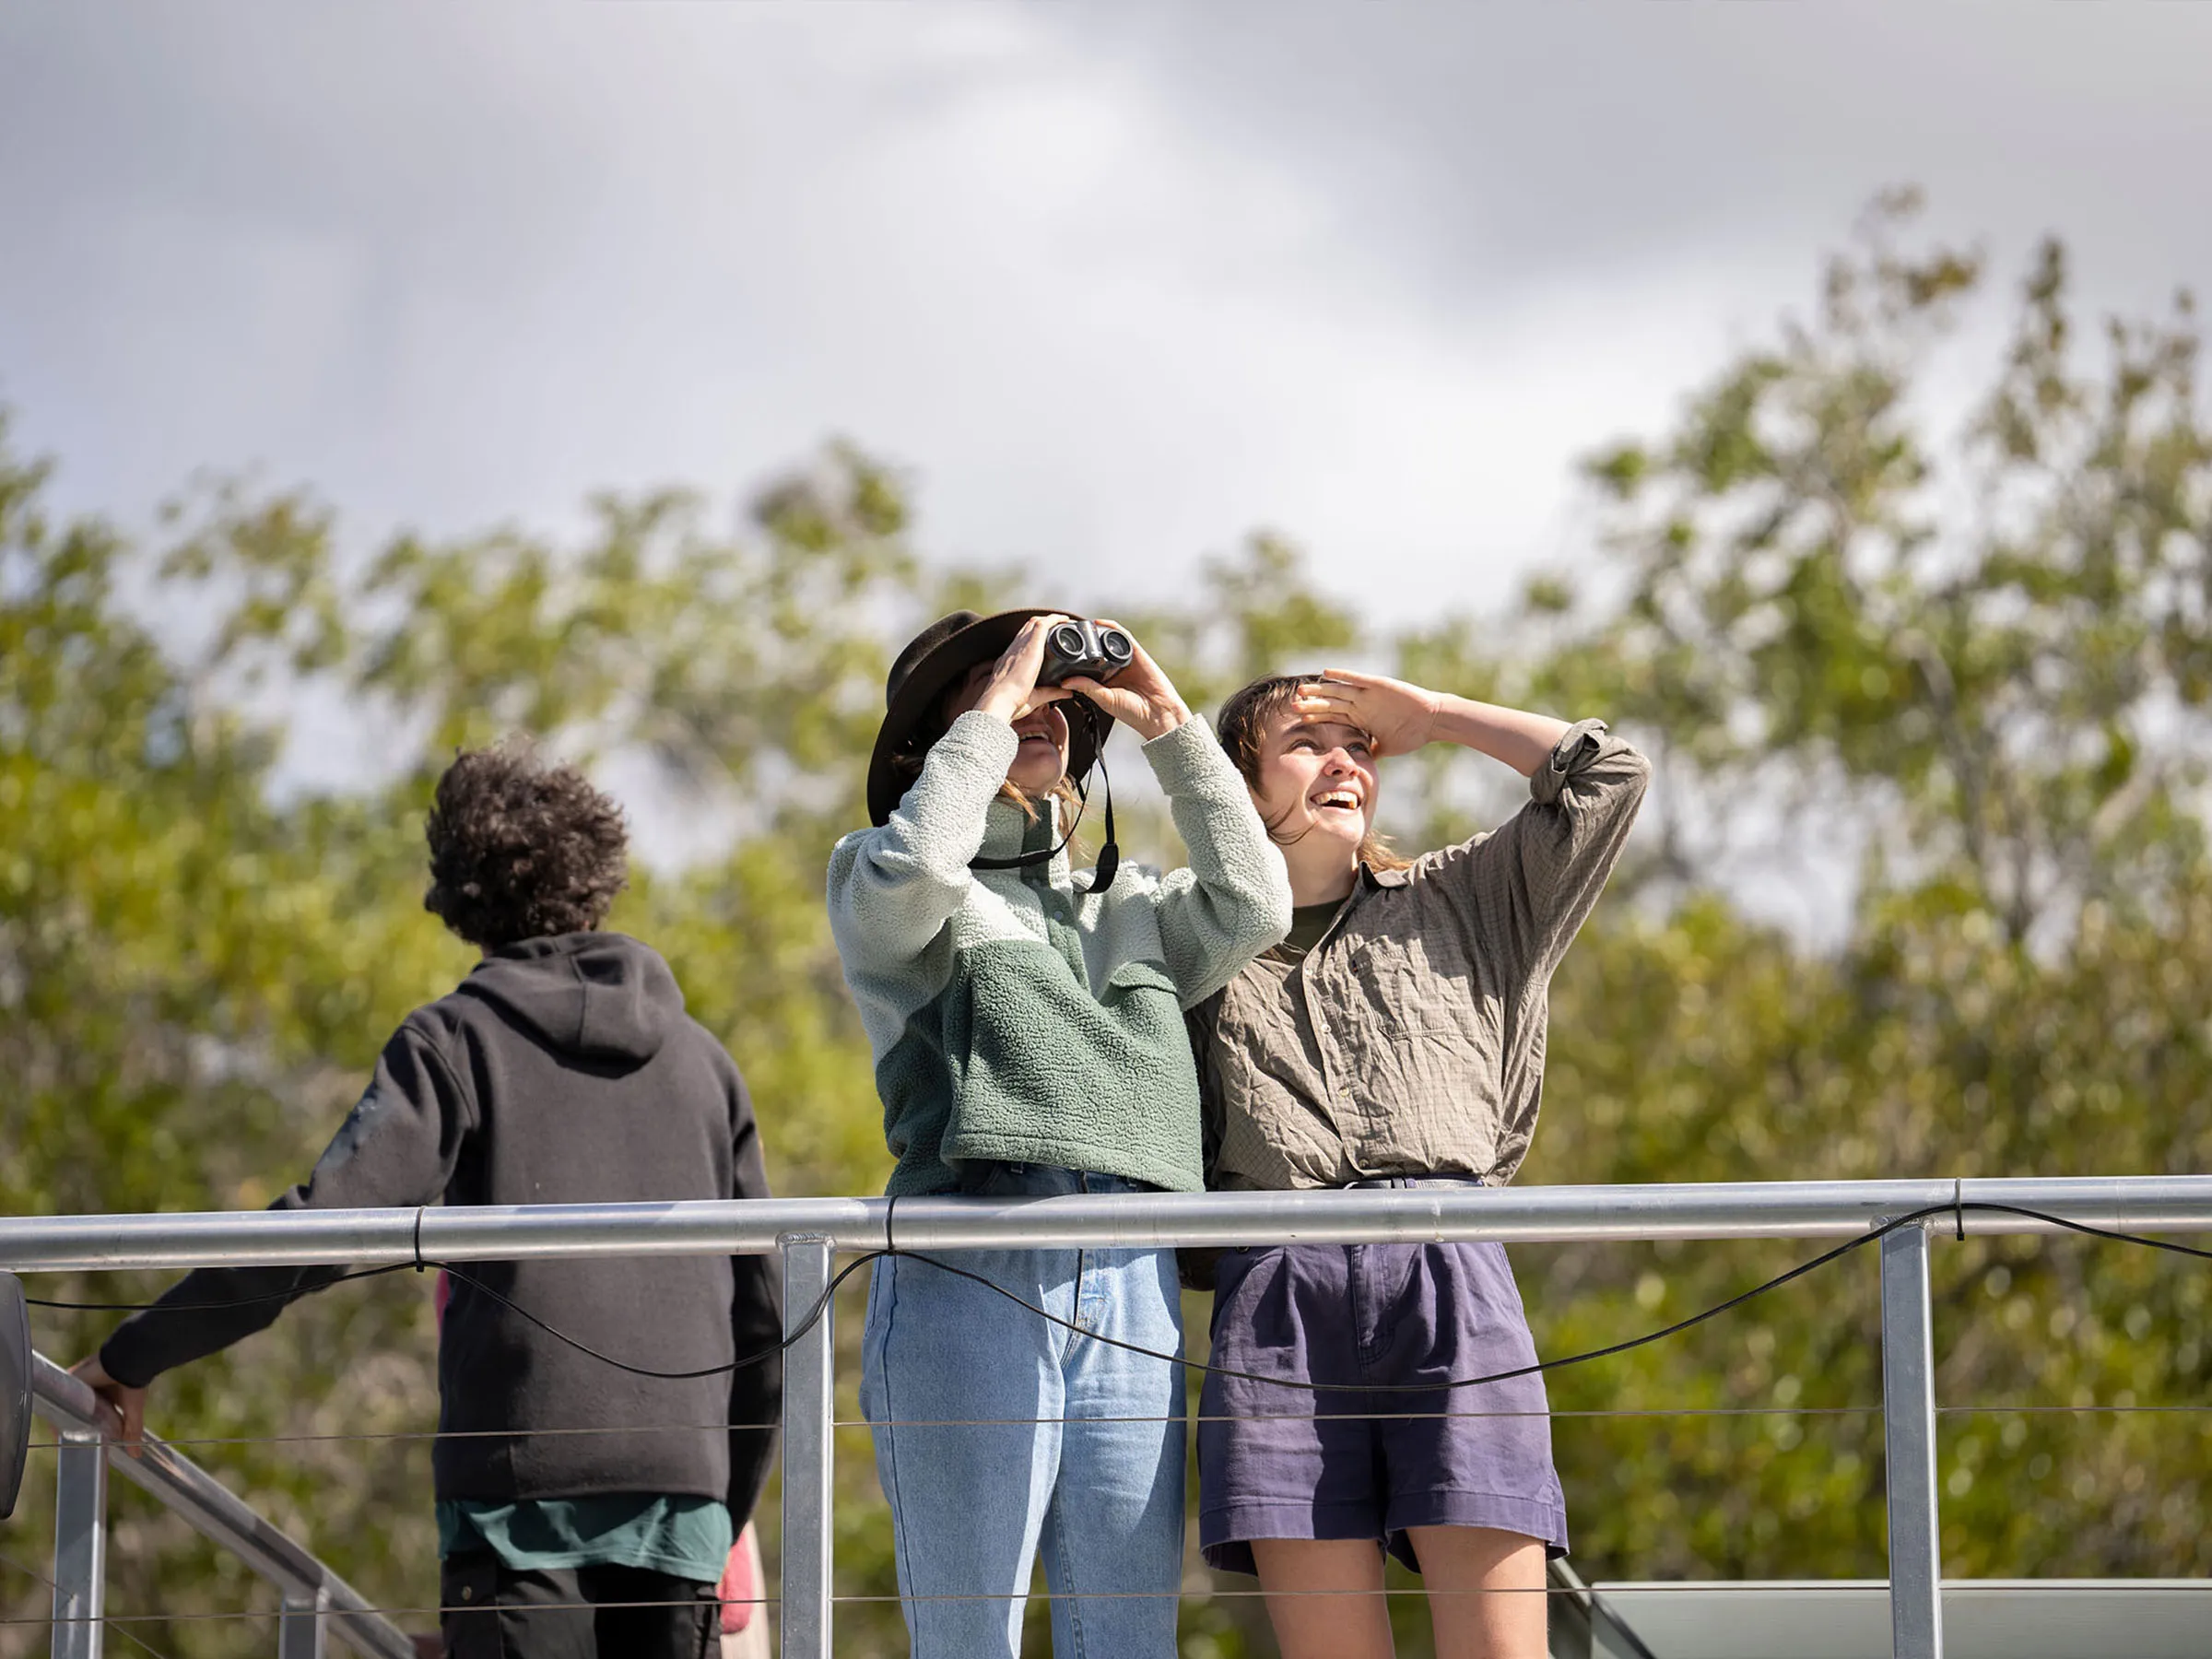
(1091, 649)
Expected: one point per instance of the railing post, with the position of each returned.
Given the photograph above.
(80, 1545)
(1909, 1447)
(299, 1624)
(809, 1449)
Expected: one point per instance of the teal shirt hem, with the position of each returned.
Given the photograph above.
(683, 1535)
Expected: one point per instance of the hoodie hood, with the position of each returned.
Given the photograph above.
(596, 995)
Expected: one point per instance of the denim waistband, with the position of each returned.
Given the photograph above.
(995, 1180)
(1412, 1181)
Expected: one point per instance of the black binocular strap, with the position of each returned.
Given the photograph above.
(1110, 855)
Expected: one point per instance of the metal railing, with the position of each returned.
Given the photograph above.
(810, 1231)
(316, 1600)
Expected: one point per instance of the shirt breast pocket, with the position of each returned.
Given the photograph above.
(1417, 981)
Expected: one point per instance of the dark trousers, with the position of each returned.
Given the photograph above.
(495, 1611)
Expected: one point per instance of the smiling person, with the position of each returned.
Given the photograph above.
(1395, 1038)
(1028, 1028)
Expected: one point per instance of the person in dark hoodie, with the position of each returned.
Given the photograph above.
(563, 1069)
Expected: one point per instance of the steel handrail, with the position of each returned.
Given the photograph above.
(219, 1514)
(1772, 1209)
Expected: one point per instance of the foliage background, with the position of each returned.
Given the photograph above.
(1948, 667)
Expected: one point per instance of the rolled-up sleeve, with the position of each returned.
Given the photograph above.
(1233, 900)
(1530, 885)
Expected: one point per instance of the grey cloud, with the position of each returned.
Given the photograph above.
(1508, 142)
(1119, 282)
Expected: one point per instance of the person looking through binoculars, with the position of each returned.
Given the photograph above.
(1027, 1022)
(1395, 1038)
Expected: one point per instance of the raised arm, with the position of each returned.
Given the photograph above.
(1532, 881)
(893, 887)
(1233, 900)
(1401, 717)
(1540, 873)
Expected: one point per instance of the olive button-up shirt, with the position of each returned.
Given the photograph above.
(1410, 1040)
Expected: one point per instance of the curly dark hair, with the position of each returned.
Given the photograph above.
(519, 849)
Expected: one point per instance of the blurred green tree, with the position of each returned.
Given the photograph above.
(1953, 687)
(1961, 684)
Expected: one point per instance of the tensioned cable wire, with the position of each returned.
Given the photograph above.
(1364, 1417)
(1998, 1409)
(1717, 1586)
(338, 1615)
(336, 1436)
(1417, 1417)
(1822, 1587)
(9, 1560)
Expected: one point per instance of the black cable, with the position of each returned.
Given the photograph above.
(1454, 1382)
(2085, 1228)
(821, 1304)
(1561, 1363)
(217, 1307)
(744, 1362)
(463, 1276)
(1110, 855)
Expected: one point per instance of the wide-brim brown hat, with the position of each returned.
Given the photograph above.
(933, 660)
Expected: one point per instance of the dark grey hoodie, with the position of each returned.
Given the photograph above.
(563, 1070)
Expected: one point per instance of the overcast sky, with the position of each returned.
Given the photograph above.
(1118, 282)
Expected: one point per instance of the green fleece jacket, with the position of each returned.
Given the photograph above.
(1016, 1016)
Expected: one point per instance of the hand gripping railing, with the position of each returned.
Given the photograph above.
(809, 1232)
(315, 1598)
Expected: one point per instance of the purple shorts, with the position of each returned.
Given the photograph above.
(1282, 1463)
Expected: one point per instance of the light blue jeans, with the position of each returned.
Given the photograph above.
(997, 1432)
